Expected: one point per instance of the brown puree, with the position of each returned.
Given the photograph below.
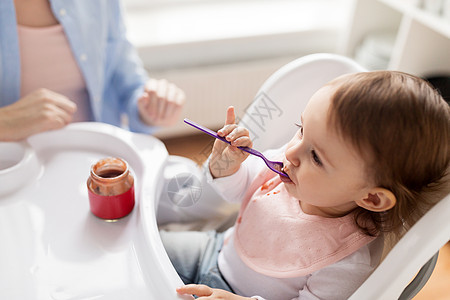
(109, 173)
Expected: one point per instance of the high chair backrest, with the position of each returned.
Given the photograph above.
(419, 247)
(270, 119)
(282, 98)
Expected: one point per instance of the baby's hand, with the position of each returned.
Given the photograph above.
(203, 291)
(226, 159)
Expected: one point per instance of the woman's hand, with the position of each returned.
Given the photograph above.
(205, 292)
(226, 159)
(38, 111)
(161, 104)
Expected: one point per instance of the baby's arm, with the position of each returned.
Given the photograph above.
(341, 279)
(201, 290)
(226, 159)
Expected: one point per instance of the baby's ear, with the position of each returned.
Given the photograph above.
(378, 199)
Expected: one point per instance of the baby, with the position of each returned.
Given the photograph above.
(370, 157)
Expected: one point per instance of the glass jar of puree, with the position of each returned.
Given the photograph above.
(111, 188)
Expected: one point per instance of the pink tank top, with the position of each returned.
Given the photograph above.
(274, 237)
(47, 62)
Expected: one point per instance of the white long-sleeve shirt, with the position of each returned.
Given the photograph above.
(336, 281)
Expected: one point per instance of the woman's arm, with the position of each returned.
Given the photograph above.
(148, 102)
(39, 111)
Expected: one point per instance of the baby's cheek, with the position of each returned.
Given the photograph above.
(305, 187)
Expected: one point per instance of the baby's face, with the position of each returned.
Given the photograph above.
(327, 173)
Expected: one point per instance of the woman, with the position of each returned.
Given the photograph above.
(64, 61)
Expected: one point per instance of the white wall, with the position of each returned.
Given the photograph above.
(220, 52)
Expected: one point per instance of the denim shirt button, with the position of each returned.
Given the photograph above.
(62, 12)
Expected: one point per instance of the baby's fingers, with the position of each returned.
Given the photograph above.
(231, 118)
(195, 289)
(236, 133)
(226, 130)
(243, 141)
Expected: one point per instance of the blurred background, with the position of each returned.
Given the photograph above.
(221, 51)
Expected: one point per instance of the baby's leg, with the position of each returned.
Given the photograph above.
(194, 256)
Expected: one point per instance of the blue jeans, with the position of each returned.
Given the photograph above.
(194, 256)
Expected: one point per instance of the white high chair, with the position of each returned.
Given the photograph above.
(278, 104)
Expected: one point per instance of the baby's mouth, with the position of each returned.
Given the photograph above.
(284, 178)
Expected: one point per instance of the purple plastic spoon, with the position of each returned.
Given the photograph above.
(275, 166)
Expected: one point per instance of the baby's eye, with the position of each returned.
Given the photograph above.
(316, 158)
(300, 126)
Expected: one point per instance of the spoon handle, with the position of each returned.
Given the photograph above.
(275, 166)
(205, 130)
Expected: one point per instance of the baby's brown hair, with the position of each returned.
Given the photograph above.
(400, 125)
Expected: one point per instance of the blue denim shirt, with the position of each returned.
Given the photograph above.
(111, 68)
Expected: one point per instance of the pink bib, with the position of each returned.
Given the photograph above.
(274, 237)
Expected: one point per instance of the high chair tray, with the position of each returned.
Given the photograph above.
(52, 246)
